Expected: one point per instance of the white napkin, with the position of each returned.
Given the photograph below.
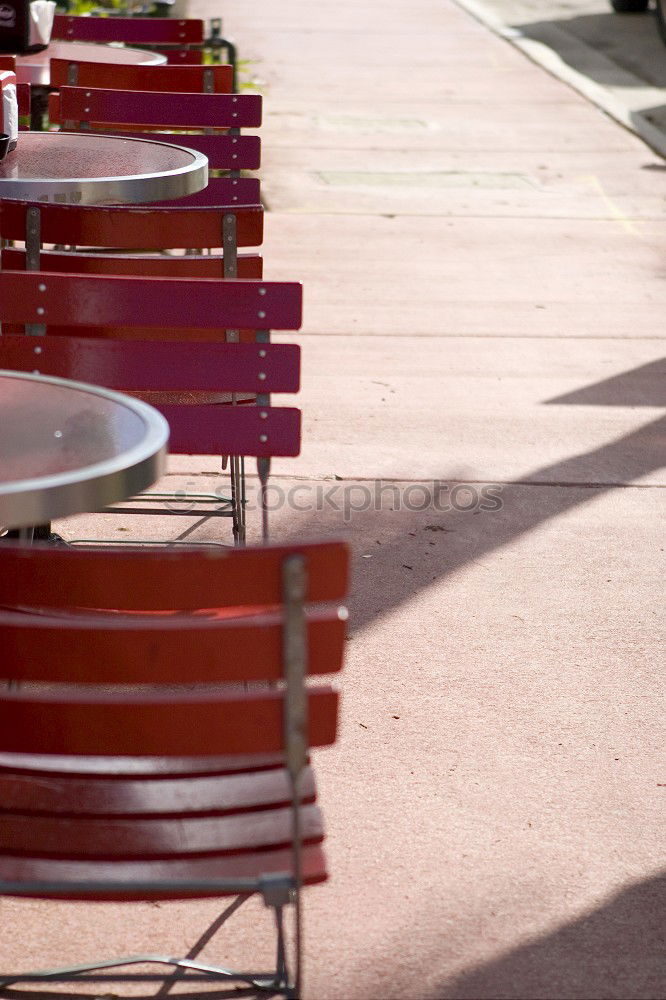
(42, 13)
(10, 114)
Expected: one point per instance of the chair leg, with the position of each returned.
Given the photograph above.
(237, 477)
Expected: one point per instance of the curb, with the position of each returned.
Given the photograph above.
(539, 53)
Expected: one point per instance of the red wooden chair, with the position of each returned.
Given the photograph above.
(132, 228)
(159, 792)
(182, 359)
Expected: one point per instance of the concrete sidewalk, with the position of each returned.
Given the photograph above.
(483, 255)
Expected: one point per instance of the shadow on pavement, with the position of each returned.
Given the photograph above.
(629, 42)
(644, 386)
(399, 551)
(616, 952)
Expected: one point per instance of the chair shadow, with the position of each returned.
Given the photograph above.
(616, 952)
(397, 553)
(167, 982)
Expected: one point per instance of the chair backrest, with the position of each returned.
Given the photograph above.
(115, 76)
(247, 643)
(164, 312)
(130, 30)
(93, 106)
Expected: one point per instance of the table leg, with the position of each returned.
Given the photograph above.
(39, 105)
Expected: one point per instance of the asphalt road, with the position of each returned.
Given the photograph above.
(617, 60)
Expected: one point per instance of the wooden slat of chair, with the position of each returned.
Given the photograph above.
(140, 366)
(114, 76)
(149, 109)
(262, 432)
(224, 152)
(137, 649)
(188, 580)
(49, 766)
(220, 191)
(233, 868)
(130, 30)
(150, 265)
(149, 796)
(155, 837)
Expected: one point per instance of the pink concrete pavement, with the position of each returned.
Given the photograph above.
(483, 260)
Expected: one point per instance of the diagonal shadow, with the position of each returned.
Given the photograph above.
(179, 977)
(630, 43)
(616, 952)
(179, 974)
(409, 550)
(401, 551)
(643, 386)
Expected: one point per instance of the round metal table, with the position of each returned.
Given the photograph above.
(87, 168)
(35, 67)
(68, 447)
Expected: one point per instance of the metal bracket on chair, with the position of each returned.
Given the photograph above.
(276, 889)
(294, 586)
(208, 80)
(33, 247)
(263, 464)
(234, 133)
(72, 74)
(230, 261)
(230, 245)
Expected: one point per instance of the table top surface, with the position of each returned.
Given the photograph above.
(67, 447)
(91, 169)
(34, 67)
